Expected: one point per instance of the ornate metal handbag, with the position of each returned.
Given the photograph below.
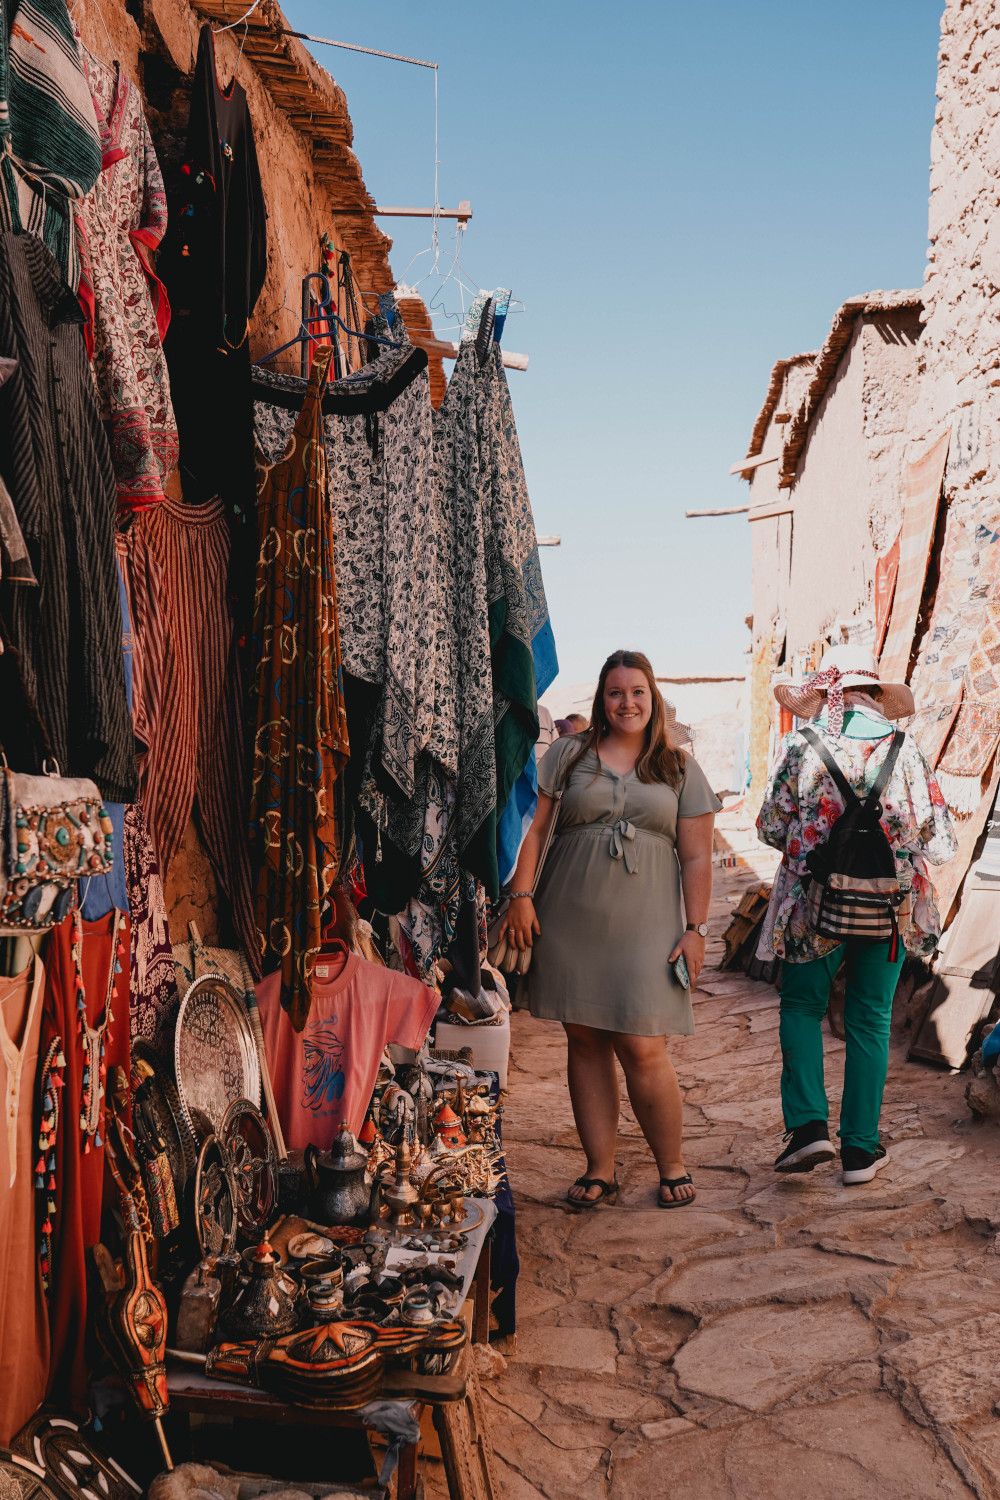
(53, 831)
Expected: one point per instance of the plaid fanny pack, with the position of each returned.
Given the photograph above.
(876, 911)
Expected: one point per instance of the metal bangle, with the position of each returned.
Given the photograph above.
(516, 895)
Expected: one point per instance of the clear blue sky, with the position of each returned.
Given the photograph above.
(679, 193)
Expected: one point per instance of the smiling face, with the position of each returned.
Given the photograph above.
(627, 702)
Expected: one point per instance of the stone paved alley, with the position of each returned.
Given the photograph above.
(782, 1337)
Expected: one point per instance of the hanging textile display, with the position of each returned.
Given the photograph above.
(922, 495)
(119, 223)
(186, 692)
(300, 743)
(498, 607)
(152, 975)
(24, 1324)
(760, 722)
(85, 1035)
(969, 558)
(886, 573)
(55, 462)
(377, 431)
(100, 893)
(213, 264)
(520, 810)
(972, 744)
(50, 150)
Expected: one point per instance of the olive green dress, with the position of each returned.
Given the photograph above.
(609, 900)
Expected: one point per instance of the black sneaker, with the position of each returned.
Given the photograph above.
(808, 1146)
(861, 1166)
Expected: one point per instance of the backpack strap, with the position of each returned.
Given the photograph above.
(843, 785)
(885, 770)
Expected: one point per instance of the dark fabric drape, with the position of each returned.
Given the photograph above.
(213, 265)
(55, 461)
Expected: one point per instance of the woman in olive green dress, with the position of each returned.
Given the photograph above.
(634, 827)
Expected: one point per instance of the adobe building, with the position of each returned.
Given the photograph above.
(825, 494)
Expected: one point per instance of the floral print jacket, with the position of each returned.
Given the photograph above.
(802, 804)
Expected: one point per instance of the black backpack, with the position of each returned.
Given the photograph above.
(854, 890)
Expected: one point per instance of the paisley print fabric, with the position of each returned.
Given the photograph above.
(487, 689)
(802, 804)
(152, 974)
(300, 740)
(120, 221)
(386, 529)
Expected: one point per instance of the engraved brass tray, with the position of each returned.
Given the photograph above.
(215, 1056)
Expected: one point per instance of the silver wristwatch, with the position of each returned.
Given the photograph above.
(701, 928)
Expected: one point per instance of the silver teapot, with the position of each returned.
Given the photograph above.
(338, 1193)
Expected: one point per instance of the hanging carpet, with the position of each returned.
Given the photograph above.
(924, 477)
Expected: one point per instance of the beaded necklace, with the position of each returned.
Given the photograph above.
(93, 1038)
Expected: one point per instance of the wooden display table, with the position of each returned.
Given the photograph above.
(193, 1392)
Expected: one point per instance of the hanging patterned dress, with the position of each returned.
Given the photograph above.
(119, 223)
(300, 740)
(85, 1034)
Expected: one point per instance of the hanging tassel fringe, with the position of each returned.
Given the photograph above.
(963, 794)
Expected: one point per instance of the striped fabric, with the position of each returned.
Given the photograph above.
(50, 148)
(55, 461)
(920, 508)
(186, 696)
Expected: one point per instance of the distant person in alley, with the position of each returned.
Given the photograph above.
(613, 959)
(857, 814)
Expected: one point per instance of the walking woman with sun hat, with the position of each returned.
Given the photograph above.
(850, 750)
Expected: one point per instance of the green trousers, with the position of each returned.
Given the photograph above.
(805, 993)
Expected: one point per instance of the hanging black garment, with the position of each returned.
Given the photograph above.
(213, 263)
(55, 461)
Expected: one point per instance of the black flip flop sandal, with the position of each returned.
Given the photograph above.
(608, 1193)
(675, 1182)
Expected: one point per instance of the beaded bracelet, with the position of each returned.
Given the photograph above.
(516, 895)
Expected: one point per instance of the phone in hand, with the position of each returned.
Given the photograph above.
(681, 970)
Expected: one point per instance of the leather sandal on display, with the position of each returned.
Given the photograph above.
(672, 1183)
(608, 1193)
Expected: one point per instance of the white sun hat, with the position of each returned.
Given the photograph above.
(843, 667)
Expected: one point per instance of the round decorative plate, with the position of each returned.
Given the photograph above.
(23, 1479)
(215, 1217)
(74, 1466)
(254, 1160)
(171, 1122)
(215, 1056)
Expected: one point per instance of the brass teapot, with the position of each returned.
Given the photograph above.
(338, 1193)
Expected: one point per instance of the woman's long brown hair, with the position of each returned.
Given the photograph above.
(659, 760)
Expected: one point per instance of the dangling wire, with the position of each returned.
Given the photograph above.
(218, 30)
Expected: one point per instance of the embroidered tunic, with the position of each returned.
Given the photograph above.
(801, 806)
(120, 221)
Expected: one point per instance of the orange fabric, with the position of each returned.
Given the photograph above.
(886, 572)
(24, 1324)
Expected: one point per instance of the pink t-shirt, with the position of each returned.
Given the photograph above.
(326, 1072)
